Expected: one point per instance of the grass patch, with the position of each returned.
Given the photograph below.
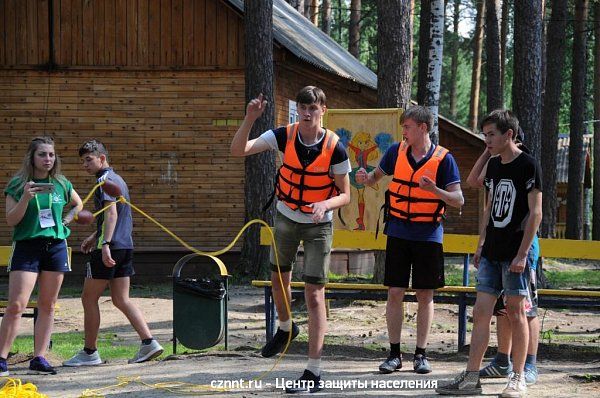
(573, 278)
(65, 345)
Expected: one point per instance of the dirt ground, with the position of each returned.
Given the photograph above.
(569, 362)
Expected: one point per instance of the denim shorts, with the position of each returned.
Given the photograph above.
(40, 254)
(316, 240)
(493, 277)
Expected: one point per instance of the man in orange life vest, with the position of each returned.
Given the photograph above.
(426, 179)
(312, 182)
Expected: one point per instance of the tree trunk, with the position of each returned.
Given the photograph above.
(326, 17)
(394, 74)
(424, 44)
(314, 12)
(393, 57)
(454, 62)
(503, 37)
(527, 80)
(596, 184)
(339, 20)
(298, 5)
(555, 51)
(354, 29)
(576, 155)
(260, 168)
(476, 72)
(492, 52)
(434, 68)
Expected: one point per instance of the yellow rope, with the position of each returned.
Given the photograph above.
(176, 387)
(13, 388)
(89, 195)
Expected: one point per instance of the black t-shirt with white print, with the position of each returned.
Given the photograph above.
(509, 185)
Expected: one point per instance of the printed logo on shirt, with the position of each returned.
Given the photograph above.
(56, 198)
(529, 184)
(503, 203)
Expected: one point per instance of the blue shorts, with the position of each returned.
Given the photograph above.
(494, 277)
(40, 254)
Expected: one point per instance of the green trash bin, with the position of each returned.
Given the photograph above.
(199, 307)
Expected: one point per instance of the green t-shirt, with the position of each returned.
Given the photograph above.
(29, 227)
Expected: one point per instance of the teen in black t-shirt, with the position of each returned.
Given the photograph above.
(509, 185)
(513, 214)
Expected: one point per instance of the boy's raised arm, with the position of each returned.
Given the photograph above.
(240, 146)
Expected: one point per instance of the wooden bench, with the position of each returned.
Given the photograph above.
(459, 295)
(5, 253)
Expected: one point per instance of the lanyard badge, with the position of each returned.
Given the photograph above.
(45, 215)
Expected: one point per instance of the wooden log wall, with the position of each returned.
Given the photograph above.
(166, 132)
(122, 33)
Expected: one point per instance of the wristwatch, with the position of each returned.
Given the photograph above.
(106, 242)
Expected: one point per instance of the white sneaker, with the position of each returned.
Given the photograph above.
(84, 359)
(516, 387)
(147, 352)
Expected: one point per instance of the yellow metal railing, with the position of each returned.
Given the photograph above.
(460, 244)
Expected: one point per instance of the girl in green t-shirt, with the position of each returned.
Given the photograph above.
(35, 200)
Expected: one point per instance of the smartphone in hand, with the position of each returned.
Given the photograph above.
(45, 187)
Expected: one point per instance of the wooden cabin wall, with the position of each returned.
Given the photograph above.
(126, 34)
(166, 132)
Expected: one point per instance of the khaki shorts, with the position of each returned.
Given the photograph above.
(316, 240)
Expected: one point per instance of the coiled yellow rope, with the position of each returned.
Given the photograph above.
(13, 388)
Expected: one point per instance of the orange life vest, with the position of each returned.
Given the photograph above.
(298, 186)
(406, 200)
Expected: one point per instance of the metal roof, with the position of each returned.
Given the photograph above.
(307, 42)
(562, 156)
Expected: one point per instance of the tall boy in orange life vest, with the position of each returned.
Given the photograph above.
(426, 179)
(312, 182)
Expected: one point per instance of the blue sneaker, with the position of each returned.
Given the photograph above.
(531, 374)
(495, 371)
(39, 364)
(3, 369)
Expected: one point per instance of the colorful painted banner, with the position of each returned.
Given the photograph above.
(366, 134)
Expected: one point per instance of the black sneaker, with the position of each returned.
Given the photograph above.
(421, 364)
(307, 383)
(391, 364)
(466, 383)
(39, 364)
(278, 342)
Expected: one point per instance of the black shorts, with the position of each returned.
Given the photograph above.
(123, 267)
(426, 259)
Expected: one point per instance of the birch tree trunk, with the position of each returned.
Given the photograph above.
(434, 67)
